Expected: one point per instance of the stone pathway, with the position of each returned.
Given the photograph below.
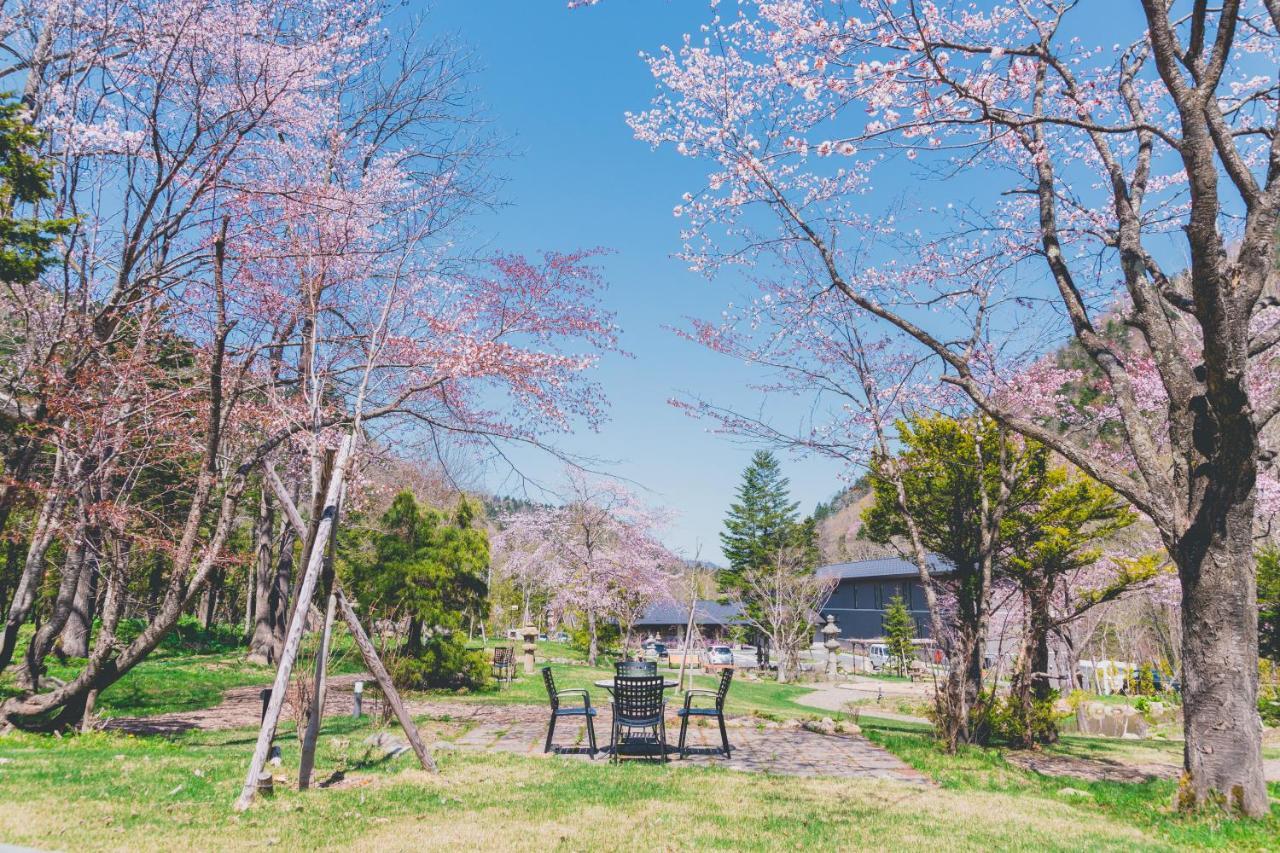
(783, 751)
(522, 730)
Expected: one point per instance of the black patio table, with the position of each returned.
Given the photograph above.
(637, 744)
(607, 683)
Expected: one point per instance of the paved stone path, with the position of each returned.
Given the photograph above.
(522, 730)
(784, 751)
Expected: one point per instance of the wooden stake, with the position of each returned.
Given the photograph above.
(317, 701)
(374, 663)
(321, 683)
(688, 635)
(293, 639)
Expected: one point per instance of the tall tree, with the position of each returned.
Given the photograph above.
(959, 481)
(597, 556)
(1094, 163)
(761, 521)
(422, 566)
(1055, 558)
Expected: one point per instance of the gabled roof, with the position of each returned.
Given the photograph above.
(704, 613)
(882, 567)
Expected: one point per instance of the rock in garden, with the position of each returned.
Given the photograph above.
(390, 745)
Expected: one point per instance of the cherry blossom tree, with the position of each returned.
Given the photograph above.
(261, 281)
(1090, 174)
(598, 554)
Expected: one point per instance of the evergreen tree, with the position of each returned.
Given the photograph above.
(899, 630)
(25, 242)
(761, 522)
(423, 564)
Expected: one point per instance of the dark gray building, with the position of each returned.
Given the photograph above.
(668, 621)
(865, 589)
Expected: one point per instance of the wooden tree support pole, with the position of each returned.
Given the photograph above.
(317, 701)
(374, 663)
(296, 625)
(321, 683)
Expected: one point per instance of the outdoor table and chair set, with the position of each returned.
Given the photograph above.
(638, 705)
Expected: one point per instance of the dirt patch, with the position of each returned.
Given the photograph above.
(1088, 769)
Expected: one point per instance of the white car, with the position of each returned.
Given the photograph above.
(878, 655)
(720, 656)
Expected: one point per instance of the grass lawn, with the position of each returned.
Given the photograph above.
(107, 791)
(189, 671)
(1146, 806)
(767, 698)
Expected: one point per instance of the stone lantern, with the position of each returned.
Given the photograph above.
(530, 634)
(831, 631)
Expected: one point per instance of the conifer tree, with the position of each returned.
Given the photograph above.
(761, 521)
(899, 631)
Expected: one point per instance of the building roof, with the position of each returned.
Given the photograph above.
(883, 567)
(704, 613)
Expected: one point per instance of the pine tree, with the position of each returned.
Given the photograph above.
(762, 520)
(25, 241)
(899, 631)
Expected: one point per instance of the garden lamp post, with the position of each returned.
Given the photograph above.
(530, 635)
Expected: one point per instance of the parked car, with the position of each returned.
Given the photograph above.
(878, 653)
(560, 637)
(720, 656)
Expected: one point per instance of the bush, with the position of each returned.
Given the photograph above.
(1002, 719)
(187, 637)
(444, 662)
(608, 635)
(1269, 692)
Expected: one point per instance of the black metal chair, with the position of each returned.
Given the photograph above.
(504, 663)
(717, 711)
(638, 704)
(632, 668)
(558, 711)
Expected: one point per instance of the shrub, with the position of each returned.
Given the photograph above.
(1002, 719)
(444, 662)
(1269, 692)
(607, 634)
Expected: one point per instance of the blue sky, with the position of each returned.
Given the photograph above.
(556, 84)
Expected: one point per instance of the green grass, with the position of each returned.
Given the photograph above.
(188, 672)
(108, 791)
(1147, 806)
(766, 698)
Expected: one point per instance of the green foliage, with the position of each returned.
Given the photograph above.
(946, 465)
(444, 662)
(1143, 682)
(420, 563)
(1269, 603)
(761, 521)
(608, 634)
(899, 631)
(24, 180)
(1269, 691)
(1005, 719)
(1052, 535)
(187, 637)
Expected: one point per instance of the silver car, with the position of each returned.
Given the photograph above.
(720, 656)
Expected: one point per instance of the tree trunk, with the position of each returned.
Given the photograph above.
(72, 568)
(1223, 752)
(79, 627)
(593, 643)
(261, 641)
(41, 538)
(209, 599)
